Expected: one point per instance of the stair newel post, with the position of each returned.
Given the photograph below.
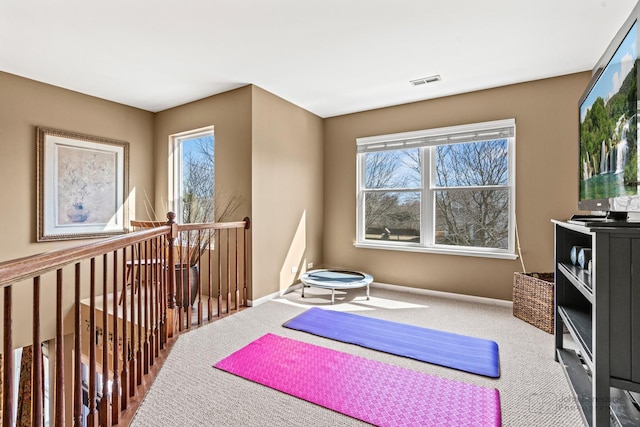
(171, 273)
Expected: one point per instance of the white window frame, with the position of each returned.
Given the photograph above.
(427, 140)
(175, 166)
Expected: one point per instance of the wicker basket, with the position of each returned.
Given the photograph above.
(533, 299)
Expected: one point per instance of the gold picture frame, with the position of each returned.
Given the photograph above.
(82, 185)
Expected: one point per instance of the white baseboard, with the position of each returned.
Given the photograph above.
(266, 298)
(439, 294)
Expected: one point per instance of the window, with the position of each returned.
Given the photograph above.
(191, 175)
(446, 190)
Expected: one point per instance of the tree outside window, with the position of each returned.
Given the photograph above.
(471, 196)
(198, 179)
(392, 208)
(431, 191)
(192, 171)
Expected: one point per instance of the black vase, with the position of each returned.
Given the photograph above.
(190, 276)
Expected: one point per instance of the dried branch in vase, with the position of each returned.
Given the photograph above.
(192, 245)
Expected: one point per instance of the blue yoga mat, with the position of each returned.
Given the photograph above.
(469, 354)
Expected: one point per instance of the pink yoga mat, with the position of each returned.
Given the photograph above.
(371, 391)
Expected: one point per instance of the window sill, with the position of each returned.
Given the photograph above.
(438, 250)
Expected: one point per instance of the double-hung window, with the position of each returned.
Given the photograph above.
(446, 190)
(191, 175)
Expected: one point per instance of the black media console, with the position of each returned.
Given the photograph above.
(601, 310)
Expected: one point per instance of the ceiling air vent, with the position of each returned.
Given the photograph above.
(425, 80)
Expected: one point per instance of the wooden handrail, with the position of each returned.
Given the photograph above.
(123, 316)
(214, 226)
(25, 268)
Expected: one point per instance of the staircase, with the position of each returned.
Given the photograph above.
(106, 314)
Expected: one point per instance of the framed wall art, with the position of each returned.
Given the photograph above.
(82, 185)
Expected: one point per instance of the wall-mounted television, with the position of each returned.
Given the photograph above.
(608, 110)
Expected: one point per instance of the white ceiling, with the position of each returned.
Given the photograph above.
(330, 57)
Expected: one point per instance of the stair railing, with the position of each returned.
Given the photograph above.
(108, 310)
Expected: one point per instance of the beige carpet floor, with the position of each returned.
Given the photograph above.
(190, 392)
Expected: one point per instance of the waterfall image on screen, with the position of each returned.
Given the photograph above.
(608, 128)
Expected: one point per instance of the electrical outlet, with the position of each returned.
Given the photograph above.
(310, 265)
(294, 270)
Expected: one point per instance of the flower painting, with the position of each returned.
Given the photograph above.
(86, 185)
(82, 184)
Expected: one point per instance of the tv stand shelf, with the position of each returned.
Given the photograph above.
(580, 278)
(580, 327)
(599, 309)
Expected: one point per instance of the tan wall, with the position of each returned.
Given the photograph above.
(287, 159)
(230, 115)
(296, 174)
(546, 116)
(25, 105)
(269, 152)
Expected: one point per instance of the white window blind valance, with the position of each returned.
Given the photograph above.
(475, 132)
